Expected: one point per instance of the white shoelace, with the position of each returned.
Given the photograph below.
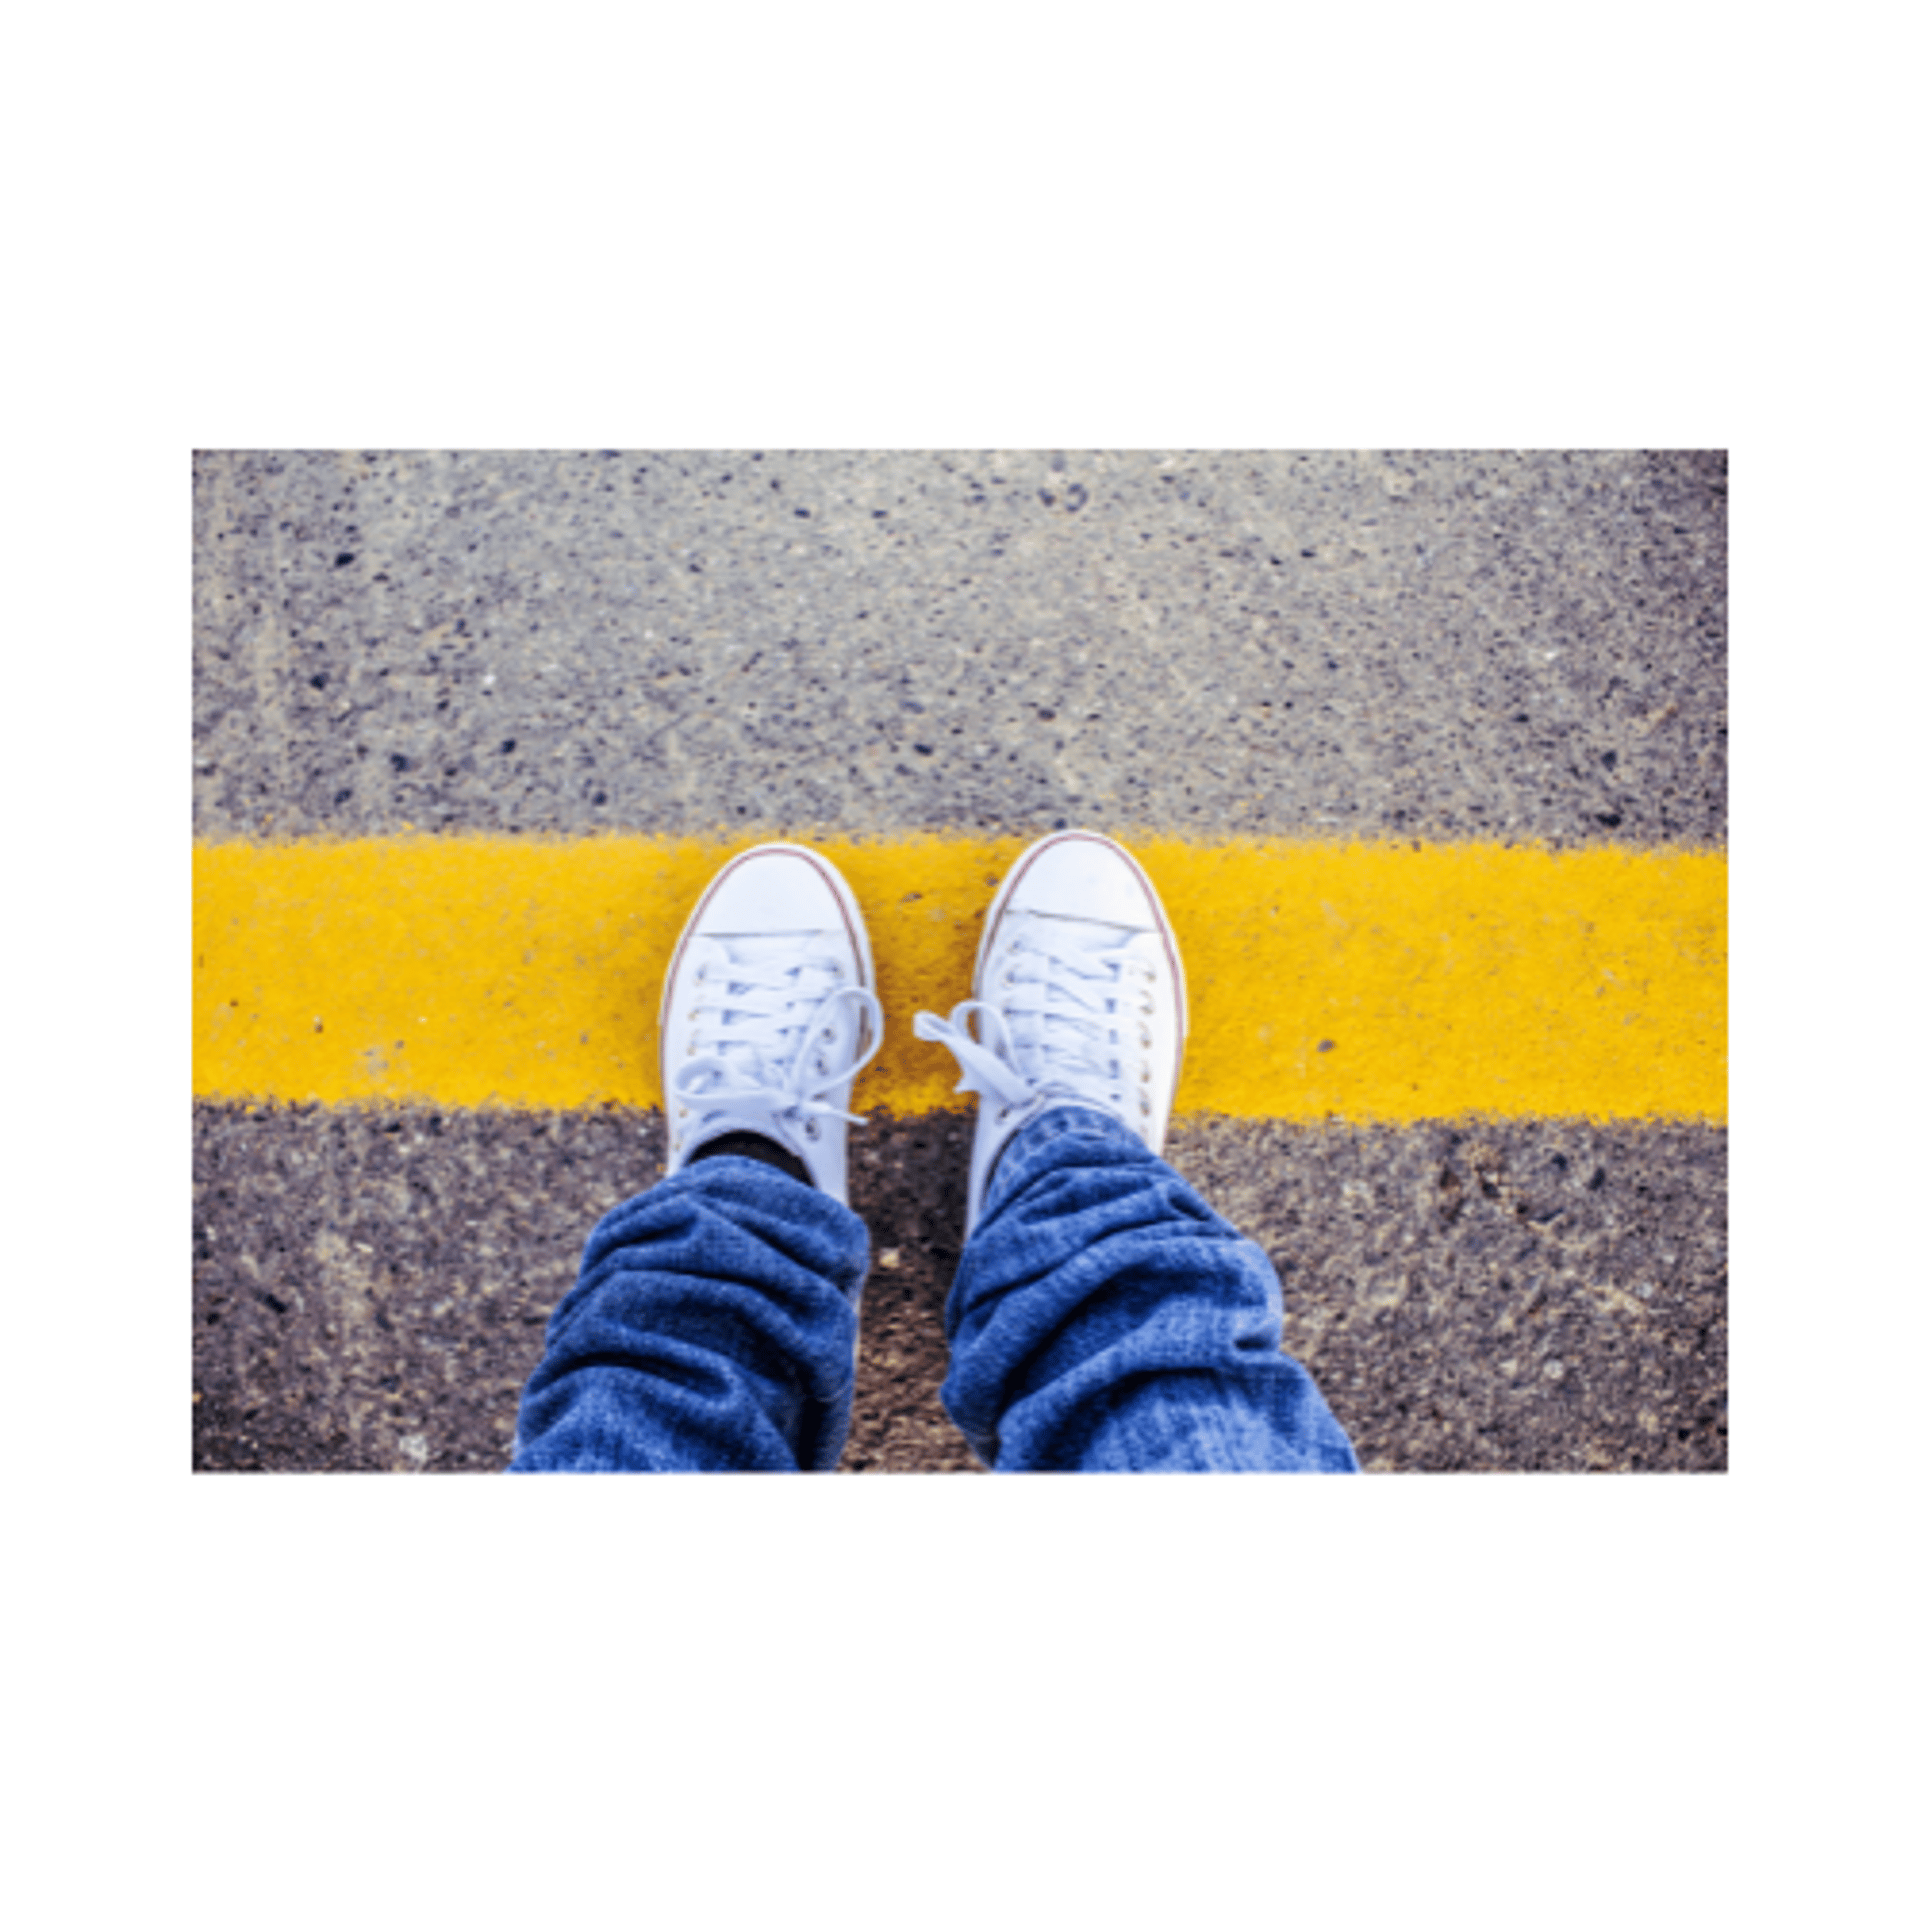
(1067, 1021)
(760, 1060)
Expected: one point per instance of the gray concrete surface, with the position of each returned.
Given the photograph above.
(1524, 646)
(1530, 645)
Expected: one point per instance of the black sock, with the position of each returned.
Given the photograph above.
(753, 1146)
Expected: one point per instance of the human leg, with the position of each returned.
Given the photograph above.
(714, 1321)
(1103, 1318)
(712, 1327)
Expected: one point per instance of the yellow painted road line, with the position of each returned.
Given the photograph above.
(1378, 982)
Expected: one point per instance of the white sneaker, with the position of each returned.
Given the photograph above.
(767, 1004)
(1079, 1000)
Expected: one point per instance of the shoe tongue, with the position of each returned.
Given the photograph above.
(1094, 936)
(766, 949)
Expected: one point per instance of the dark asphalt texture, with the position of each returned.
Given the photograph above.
(370, 1292)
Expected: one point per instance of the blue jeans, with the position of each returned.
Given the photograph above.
(1104, 1319)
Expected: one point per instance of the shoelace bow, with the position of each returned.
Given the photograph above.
(753, 1069)
(1040, 1047)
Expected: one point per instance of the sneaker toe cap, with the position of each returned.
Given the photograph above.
(774, 890)
(1085, 877)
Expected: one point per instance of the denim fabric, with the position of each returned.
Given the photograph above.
(1106, 1319)
(1103, 1319)
(713, 1326)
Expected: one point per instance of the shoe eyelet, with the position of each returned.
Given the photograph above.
(829, 1036)
(812, 1129)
